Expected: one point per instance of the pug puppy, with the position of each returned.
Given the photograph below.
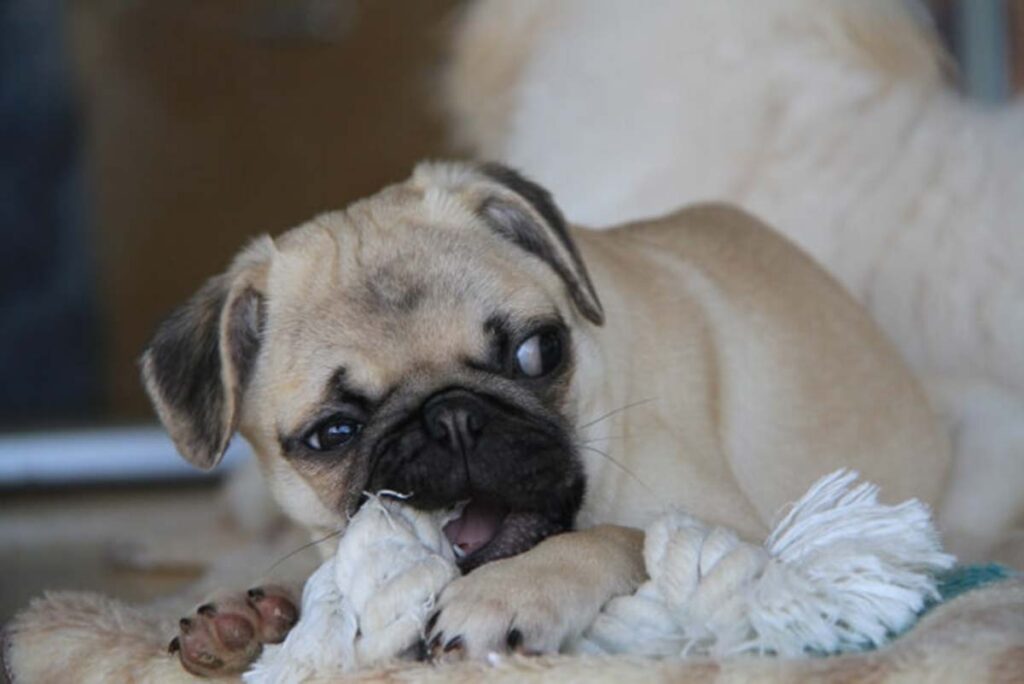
(450, 338)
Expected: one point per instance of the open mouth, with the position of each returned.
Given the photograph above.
(477, 524)
(487, 530)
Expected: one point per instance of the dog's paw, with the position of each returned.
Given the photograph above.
(503, 607)
(225, 635)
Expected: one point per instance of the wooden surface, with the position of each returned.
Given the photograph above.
(1016, 27)
(210, 121)
(72, 540)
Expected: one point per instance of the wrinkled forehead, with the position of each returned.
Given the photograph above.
(384, 303)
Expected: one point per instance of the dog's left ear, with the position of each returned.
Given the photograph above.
(198, 364)
(523, 212)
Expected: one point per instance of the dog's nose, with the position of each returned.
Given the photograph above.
(455, 419)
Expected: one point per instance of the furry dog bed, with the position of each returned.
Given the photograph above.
(784, 598)
(977, 637)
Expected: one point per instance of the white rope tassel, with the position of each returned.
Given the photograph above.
(841, 571)
(369, 602)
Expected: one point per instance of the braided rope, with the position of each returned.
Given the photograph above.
(368, 603)
(840, 572)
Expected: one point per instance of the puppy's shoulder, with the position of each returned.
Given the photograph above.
(710, 223)
(716, 233)
(742, 255)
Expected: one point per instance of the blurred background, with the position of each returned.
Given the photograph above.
(141, 144)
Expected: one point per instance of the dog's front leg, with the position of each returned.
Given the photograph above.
(539, 600)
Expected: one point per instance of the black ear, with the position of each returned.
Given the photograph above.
(526, 215)
(198, 364)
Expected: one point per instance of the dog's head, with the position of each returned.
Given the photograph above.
(423, 341)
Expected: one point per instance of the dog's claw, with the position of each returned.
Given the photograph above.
(431, 621)
(442, 650)
(514, 639)
(226, 636)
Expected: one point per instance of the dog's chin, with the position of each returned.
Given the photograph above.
(487, 530)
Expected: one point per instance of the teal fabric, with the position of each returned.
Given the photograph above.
(952, 583)
(963, 578)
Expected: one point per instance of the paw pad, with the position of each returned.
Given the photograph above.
(226, 636)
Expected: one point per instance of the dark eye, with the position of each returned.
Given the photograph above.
(333, 433)
(539, 354)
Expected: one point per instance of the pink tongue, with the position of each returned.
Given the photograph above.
(477, 526)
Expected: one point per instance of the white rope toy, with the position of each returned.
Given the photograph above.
(841, 571)
(368, 604)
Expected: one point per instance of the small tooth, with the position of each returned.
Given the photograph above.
(459, 553)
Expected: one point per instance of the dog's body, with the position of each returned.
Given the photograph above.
(833, 120)
(446, 339)
(450, 338)
(760, 372)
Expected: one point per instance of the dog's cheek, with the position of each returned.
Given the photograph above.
(316, 495)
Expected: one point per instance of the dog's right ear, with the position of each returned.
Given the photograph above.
(198, 364)
(522, 212)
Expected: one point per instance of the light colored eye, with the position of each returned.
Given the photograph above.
(528, 357)
(540, 354)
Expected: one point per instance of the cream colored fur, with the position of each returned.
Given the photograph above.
(731, 373)
(832, 119)
(758, 372)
